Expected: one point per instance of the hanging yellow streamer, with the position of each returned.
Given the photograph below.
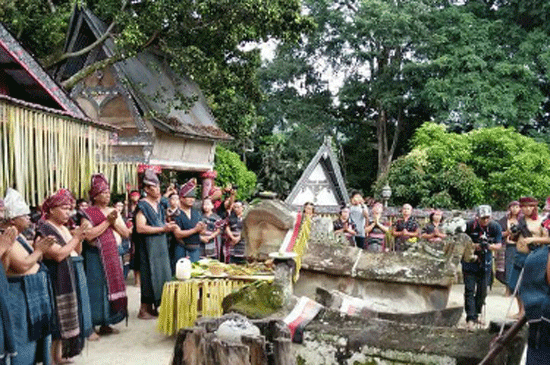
(300, 246)
(180, 302)
(42, 152)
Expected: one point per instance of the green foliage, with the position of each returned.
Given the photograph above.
(450, 170)
(231, 170)
(294, 121)
(474, 78)
(36, 25)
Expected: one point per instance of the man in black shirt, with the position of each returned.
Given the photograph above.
(486, 235)
(190, 225)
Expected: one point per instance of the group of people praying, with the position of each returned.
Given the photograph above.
(368, 230)
(62, 280)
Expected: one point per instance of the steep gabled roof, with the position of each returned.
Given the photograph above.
(150, 81)
(323, 172)
(30, 83)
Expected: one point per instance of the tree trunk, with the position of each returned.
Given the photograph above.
(384, 156)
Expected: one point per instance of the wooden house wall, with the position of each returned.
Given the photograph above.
(182, 153)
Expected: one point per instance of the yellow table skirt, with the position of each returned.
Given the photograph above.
(184, 301)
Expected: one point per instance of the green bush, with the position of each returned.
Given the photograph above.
(232, 170)
(485, 166)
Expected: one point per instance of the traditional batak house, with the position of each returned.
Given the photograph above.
(163, 117)
(321, 183)
(46, 140)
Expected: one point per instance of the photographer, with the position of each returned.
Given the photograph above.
(486, 235)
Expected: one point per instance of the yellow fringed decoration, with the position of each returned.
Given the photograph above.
(300, 246)
(180, 299)
(42, 151)
(163, 324)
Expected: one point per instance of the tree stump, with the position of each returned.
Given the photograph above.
(201, 346)
(256, 346)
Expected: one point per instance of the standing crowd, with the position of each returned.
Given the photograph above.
(63, 276)
(370, 230)
(520, 241)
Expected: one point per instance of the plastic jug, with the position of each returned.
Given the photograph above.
(183, 268)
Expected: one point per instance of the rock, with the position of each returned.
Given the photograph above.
(257, 300)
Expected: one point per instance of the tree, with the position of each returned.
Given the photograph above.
(297, 114)
(208, 40)
(231, 170)
(485, 166)
(475, 79)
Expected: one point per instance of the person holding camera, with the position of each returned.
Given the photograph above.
(486, 235)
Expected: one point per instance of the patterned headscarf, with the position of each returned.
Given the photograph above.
(61, 197)
(188, 189)
(150, 178)
(99, 185)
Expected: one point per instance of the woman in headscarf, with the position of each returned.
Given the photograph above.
(30, 299)
(104, 273)
(73, 323)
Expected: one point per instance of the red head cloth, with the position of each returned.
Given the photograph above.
(188, 189)
(135, 193)
(212, 174)
(528, 200)
(61, 197)
(150, 178)
(99, 185)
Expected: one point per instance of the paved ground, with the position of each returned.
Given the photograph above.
(140, 343)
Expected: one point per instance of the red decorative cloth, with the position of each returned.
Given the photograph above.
(528, 200)
(188, 189)
(99, 185)
(61, 197)
(212, 174)
(143, 167)
(114, 277)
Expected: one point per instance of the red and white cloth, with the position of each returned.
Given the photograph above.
(305, 310)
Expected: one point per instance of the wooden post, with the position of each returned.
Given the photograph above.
(193, 347)
(256, 346)
(282, 352)
(223, 353)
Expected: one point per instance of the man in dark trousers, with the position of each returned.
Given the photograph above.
(486, 235)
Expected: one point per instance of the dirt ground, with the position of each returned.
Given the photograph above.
(141, 343)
